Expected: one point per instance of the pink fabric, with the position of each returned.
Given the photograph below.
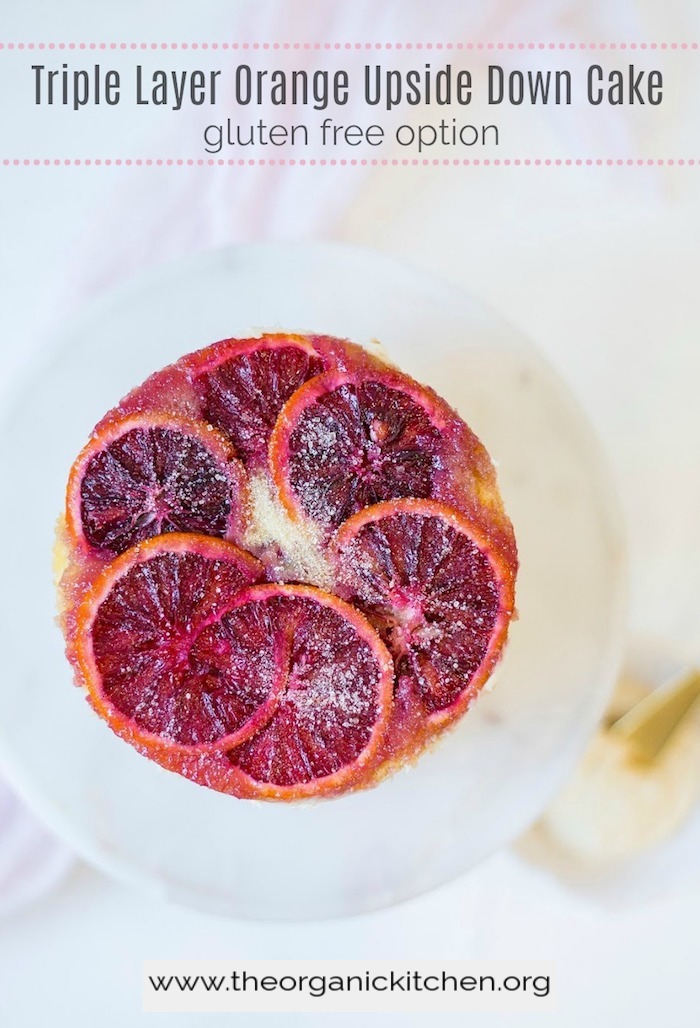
(32, 861)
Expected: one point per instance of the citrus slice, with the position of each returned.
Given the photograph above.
(143, 654)
(345, 441)
(334, 681)
(438, 593)
(149, 474)
(242, 384)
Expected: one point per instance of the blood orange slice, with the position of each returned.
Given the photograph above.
(144, 654)
(149, 474)
(438, 593)
(345, 441)
(334, 679)
(242, 385)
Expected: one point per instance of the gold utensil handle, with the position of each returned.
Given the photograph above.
(652, 722)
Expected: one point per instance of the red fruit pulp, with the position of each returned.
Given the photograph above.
(354, 443)
(244, 393)
(153, 480)
(431, 590)
(337, 683)
(156, 666)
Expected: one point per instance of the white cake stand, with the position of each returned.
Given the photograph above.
(488, 778)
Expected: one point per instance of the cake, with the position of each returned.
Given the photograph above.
(285, 567)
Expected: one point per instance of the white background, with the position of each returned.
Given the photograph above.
(600, 267)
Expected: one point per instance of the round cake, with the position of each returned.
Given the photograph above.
(284, 567)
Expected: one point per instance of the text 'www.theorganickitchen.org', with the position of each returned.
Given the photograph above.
(336, 986)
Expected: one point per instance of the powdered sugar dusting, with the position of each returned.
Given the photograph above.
(331, 678)
(293, 552)
(431, 592)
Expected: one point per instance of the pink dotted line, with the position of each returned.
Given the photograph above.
(350, 46)
(352, 162)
